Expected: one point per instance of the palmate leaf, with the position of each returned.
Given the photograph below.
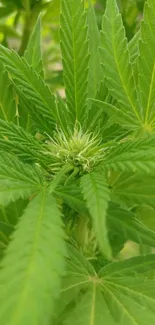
(18, 180)
(78, 277)
(33, 264)
(113, 296)
(7, 97)
(33, 54)
(74, 48)
(117, 66)
(146, 63)
(97, 196)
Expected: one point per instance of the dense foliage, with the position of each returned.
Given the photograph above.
(77, 177)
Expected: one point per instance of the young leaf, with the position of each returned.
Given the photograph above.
(7, 100)
(74, 48)
(34, 262)
(117, 66)
(95, 70)
(33, 53)
(97, 196)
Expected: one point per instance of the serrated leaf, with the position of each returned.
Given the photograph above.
(97, 196)
(133, 47)
(117, 66)
(33, 54)
(131, 156)
(17, 180)
(14, 139)
(72, 196)
(137, 191)
(116, 114)
(7, 97)
(74, 48)
(134, 266)
(146, 63)
(128, 292)
(34, 93)
(31, 270)
(95, 70)
(127, 227)
(91, 309)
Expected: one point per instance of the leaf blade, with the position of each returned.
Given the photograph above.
(97, 196)
(33, 53)
(74, 48)
(33, 267)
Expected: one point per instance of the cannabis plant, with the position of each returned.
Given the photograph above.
(77, 178)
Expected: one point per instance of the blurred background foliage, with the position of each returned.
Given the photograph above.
(17, 19)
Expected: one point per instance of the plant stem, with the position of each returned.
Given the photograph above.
(30, 19)
(26, 34)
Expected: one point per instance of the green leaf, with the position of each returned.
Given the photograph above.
(34, 94)
(131, 156)
(146, 215)
(7, 97)
(78, 278)
(33, 54)
(146, 72)
(133, 48)
(128, 291)
(74, 48)
(97, 196)
(91, 309)
(135, 190)
(34, 262)
(15, 140)
(117, 66)
(72, 196)
(126, 226)
(18, 180)
(95, 70)
(6, 10)
(133, 267)
(116, 114)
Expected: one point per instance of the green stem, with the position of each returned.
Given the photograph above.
(30, 20)
(28, 25)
